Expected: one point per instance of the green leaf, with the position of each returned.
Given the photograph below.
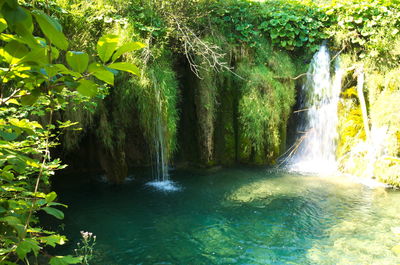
(106, 46)
(78, 61)
(54, 212)
(127, 47)
(9, 136)
(9, 176)
(64, 260)
(18, 19)
(57, 204)
(53, 240)
(29, 100)
(51, 29)
(126, 67)
(87, 88)
(26, 246)
(51, 196)
(10, 220)
(64, 70)
(3, 24)
(101, 73)
(15, 223)
(13, 52)
(38, 56)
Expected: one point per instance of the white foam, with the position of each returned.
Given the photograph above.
(320, 167)
(129, 179)
(368, 182)
(166, 185)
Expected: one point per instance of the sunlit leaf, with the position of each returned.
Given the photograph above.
(127, 47)
(13, 52)
(53, 240)
(126, 67)
(87, 88)
(51, 196)
(106, 46)
(64, 70)
(78, 61)
(3, 24)
(64, 260)
(99, 71)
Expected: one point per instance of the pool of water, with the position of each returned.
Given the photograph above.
(235, 216)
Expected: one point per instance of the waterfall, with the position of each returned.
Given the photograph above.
(161, 180)
(160, 168)
(319, 98)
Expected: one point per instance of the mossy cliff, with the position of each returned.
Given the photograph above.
(218, 78)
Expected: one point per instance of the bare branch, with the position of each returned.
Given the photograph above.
(301, 110)
(291, 78)
(337, 54)
(210, 55)
(13, 95)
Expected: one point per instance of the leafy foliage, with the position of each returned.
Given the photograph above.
(371, 28)
(33, 86)
(290, 25)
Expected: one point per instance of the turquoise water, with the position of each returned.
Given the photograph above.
(235, 216)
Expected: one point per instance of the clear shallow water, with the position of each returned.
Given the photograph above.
(235, 216)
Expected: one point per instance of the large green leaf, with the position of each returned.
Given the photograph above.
(126, 67)
(78, 61)
(99, 71)
(51, 29)
(54, 212)
(127, 47)
(64, 260)
(37, 56)
(106, 46)
(18, 19)
(87, 88)
(26, 246)
(13, 52)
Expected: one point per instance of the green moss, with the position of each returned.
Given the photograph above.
(205, 101)
(156, 96)
(268, 95)
(226, 134)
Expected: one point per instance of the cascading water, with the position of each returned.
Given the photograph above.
(315, 149)
(160, 170)
(160, 164)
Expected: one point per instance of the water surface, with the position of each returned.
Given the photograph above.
(235, 216)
